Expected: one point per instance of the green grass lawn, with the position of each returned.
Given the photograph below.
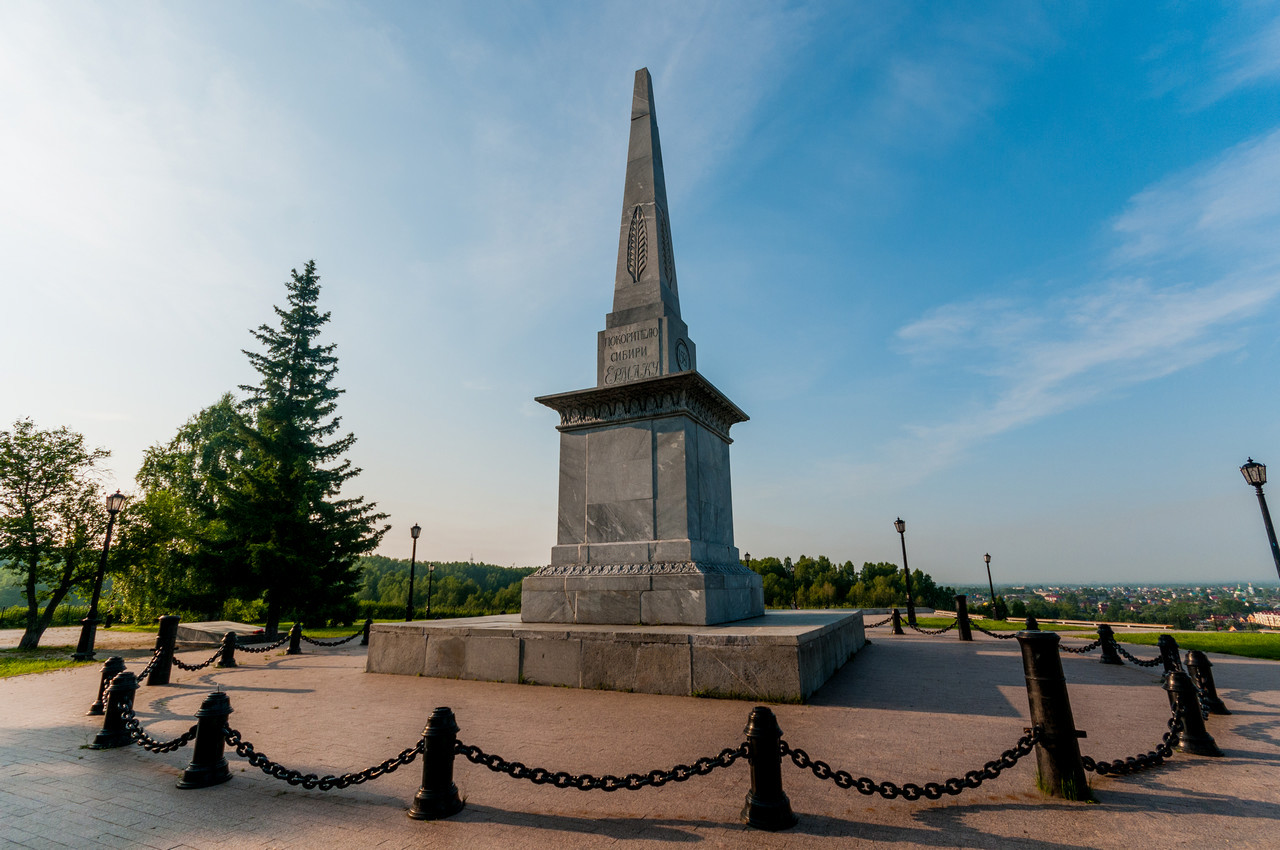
(19, 662)
(1248, 644)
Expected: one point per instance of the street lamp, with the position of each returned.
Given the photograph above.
(413, 557)
(911, 604)
(747, 558)
(89, 625)
(431, 571)
(1256, 474)
(987, 558)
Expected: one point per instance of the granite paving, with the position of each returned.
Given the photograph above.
(909, 708)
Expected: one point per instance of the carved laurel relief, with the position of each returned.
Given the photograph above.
(668, 256)
(637, 245)
(661, 568)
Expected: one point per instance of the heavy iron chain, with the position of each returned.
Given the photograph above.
(1081, 649)
(340, 642)
(181, 666)
(879, 624)
(1150, 663)
(587, 782)
(910, 790)
(150, 664)
(995, 635)
(942, 630)
(139, 736)
(1132, 764)
(311, 780)
(281, 642)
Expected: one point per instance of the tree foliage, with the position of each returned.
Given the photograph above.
(51, 517)
(175, 553)
(283, 497)
(819, 583)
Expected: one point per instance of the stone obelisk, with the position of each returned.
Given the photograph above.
(645, 528)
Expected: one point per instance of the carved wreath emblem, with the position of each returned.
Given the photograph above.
(637, 245)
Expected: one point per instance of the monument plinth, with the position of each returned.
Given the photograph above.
(645, 521)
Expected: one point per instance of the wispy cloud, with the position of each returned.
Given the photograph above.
(1197, 258)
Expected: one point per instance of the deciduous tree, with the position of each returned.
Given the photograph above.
(51, 517)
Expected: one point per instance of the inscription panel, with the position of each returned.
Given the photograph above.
(630, 353)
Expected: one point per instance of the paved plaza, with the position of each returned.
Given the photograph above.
(905, 709)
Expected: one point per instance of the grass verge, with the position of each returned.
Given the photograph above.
(21, 662)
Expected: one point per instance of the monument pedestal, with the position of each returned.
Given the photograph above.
(783, 656)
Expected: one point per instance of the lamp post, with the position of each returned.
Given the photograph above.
(747, 557)
(911, 604)
(413, 558)
(1256, 474)
(431, 571)
(987, 558)
(89, 625)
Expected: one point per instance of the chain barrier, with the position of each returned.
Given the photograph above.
(279, 643)
(587, 782)
(1151, 663)
(339, 642)
(181, 666)
(310, 780)
(1132, 764)
(996, 635)
(942, 630)
(879, 624)
(146, 671)
(139, 736)
(910, 790)
(1080, 650)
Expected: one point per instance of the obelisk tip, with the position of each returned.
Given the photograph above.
(642, 99)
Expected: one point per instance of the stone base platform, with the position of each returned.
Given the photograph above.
(212, 632)
(783, 656)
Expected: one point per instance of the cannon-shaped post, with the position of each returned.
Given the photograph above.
(962, 617)
(897, 622)
(228, 656)
(208, 765)
(119, 701)
(113, 667)
(1107, 640)
(1032, 624)
(364, 637)
(767, 806)
(295, 640)
(165, 639)
(1059, 767)
(438, 798)
(1169, 653)
(1201, 673)
(1192, 737)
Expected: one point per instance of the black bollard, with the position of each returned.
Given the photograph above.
(962, 617)
(119, 700)
(767, 807)
(364, 638)
(1193, 738)
(113, 667)
(295, 640)
(1032, 625)
(1060, 771)
(437, 798)
(1169, 653)
(897, 622)
(1201, 672)
(165, 640)
(208, 765)
(1107, 640)
(228, 657)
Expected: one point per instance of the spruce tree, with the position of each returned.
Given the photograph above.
(284, 502)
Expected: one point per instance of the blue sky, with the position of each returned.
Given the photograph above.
(1007, 271)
